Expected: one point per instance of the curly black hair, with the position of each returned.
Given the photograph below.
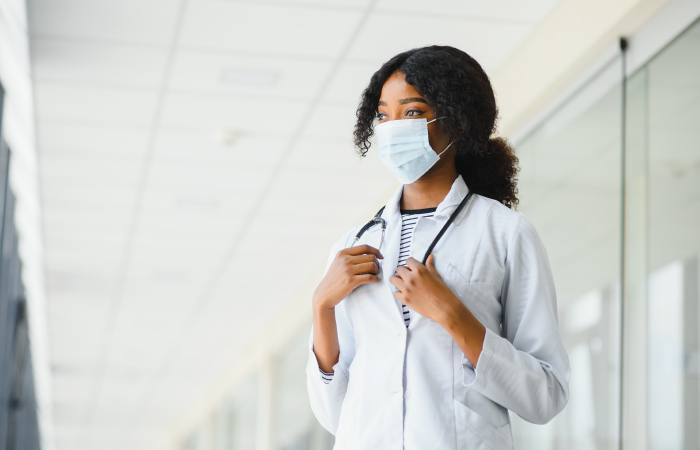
(456, 87)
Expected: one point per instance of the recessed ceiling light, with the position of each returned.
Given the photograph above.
(241, 76)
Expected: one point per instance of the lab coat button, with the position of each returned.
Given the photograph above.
(407, 395)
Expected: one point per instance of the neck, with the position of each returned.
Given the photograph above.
(430, 189)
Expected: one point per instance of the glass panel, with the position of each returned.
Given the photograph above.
(237, 419)
(635, 265)
(294, 424)
(673, 141)
(570, 189)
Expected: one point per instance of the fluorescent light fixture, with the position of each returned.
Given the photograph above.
(240, 76)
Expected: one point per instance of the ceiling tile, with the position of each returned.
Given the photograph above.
(334, 121)
(88, 195)
(97, 63)
(319, 155)
(506, 10)
(275, 30)
(109, 142)
(488, 42)
(94, 105)
(349, 82)
(251, 77)
(134, 21)
(329, 4)
(244, 150)
(213, 113)
(85, 172)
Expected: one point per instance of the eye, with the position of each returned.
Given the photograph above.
(381, 116)
(413, 113)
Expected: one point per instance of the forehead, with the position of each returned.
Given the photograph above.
(396, 88)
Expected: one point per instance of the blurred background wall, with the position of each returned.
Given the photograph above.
(173, 174)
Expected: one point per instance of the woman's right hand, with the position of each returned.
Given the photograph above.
(351, 268)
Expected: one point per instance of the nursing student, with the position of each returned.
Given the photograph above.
(438, 317)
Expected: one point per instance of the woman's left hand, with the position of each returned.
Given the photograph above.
(421, 288)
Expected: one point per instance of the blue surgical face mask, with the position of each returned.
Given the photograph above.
(405, 149)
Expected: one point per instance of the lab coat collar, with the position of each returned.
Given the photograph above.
(458, 191)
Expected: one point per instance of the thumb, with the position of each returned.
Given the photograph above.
(430, 264)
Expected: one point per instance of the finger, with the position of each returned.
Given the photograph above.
(368, 267)
(403, 271)
(365, 278)
(413, 264)
(361, 259)
(400, 296)
(398, 282)
(363, 249)
(430, 263)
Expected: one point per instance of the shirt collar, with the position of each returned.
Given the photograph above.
(458, 191)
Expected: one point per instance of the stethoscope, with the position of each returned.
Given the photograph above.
(377, 219)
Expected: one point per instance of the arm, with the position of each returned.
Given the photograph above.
(332, 345)
(528, 370)
(422, 289)
(351, 268)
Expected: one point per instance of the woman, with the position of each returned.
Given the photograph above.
(414, 353)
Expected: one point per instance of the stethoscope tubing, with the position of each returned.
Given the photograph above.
(377, 219)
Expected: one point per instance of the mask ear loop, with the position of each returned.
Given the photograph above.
(448, 145)
(435, 120)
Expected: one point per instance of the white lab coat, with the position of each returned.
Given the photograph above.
(396, 388)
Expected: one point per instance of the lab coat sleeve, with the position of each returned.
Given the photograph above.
(327, 399)
(527, 371)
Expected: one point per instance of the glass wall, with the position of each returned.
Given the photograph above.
(19, 428)
(268, 411)
(665, 103)
(570, 189)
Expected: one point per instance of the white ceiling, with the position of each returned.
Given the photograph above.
(168, 250)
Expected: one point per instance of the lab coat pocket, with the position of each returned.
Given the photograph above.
(469, 293)
(475, 433)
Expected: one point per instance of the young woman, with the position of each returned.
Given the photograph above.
(409, 352)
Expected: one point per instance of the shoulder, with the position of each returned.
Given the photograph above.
(508, 223)
(496, 213)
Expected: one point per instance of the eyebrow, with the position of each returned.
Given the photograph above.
(403, 101)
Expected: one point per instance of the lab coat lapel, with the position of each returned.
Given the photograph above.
(423, 234)
(427, 229)
(390, 251)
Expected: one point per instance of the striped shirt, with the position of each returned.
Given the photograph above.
(409, 218)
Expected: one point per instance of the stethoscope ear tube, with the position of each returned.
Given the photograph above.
(378, 220)
(446, 226)
(375, 220)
